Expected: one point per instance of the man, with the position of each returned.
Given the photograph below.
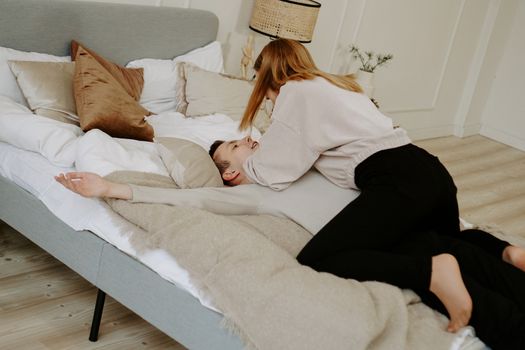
(229, 157)
(312, 201)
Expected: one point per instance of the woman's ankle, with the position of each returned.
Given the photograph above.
(447, 284)
(515, 256)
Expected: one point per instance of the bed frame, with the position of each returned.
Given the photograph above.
(120, 33)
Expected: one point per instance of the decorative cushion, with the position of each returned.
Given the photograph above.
(188, 164)
(160, 76)
(103, 103)
(131, 79)
(48, 88)
(202, 93)
(8, 85)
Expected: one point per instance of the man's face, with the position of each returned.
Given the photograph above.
(235, 152)
(271, 95)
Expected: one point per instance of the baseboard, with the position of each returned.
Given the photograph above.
(503, 137)
(467, 130)
(430, 133)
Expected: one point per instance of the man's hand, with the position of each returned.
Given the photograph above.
(85, 184)
(93, 185)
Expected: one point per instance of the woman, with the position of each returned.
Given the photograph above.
(498, 286)
(403, 229)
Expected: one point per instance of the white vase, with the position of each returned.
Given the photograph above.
(366, 80)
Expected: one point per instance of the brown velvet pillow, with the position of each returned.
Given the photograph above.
(103, 103)
(131, 79)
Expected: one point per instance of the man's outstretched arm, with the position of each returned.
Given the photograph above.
(240, 200)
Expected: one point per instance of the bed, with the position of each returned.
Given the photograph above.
(31, 208)
(176, 31)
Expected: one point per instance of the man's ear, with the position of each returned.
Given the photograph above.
(229, 174)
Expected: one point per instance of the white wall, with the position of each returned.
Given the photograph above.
(433, 43)
(444, 51)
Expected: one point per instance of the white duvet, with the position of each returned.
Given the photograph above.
(34, 149)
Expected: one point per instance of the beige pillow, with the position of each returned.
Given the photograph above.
(202, 92)
(188, 164)
(48, 88)
(103, 103)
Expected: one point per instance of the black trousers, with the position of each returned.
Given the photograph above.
(406, 213)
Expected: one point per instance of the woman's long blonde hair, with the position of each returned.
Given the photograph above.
(282, 60)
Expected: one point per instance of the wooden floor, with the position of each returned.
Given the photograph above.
(490, 178)
(44, 305)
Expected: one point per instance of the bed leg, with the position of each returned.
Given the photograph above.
(97, 315)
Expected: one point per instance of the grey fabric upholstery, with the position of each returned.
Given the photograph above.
(173, 310)
(116, 31)
(80, 251)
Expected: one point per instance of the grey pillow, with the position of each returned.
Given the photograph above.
(188, 164)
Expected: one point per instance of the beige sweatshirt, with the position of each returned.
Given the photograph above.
(315, 123)
(312, 201)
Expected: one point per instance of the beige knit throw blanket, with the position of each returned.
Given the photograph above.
(247, 266)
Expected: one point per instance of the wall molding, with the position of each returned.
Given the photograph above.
(338, 34)
(503, 137)
(437, 89)
(185, 4)
(475, 70)
(430, 132)
(359, 21)
(449, 50)
(467, 129)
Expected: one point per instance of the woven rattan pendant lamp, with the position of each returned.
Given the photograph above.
(290, 19)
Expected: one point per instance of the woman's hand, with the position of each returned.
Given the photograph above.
(85, 184)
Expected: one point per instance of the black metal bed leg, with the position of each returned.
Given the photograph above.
(97, 315)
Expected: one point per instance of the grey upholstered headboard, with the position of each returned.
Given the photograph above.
(116, 31)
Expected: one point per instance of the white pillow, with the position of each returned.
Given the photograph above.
(160, 76)
(8, 85)
(208, 57)
(202, 130)
(99, 153)
(55, 140)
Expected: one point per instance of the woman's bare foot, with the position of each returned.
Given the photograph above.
(515, 256)
(446, 283)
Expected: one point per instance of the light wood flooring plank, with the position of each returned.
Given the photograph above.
(19, 255)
